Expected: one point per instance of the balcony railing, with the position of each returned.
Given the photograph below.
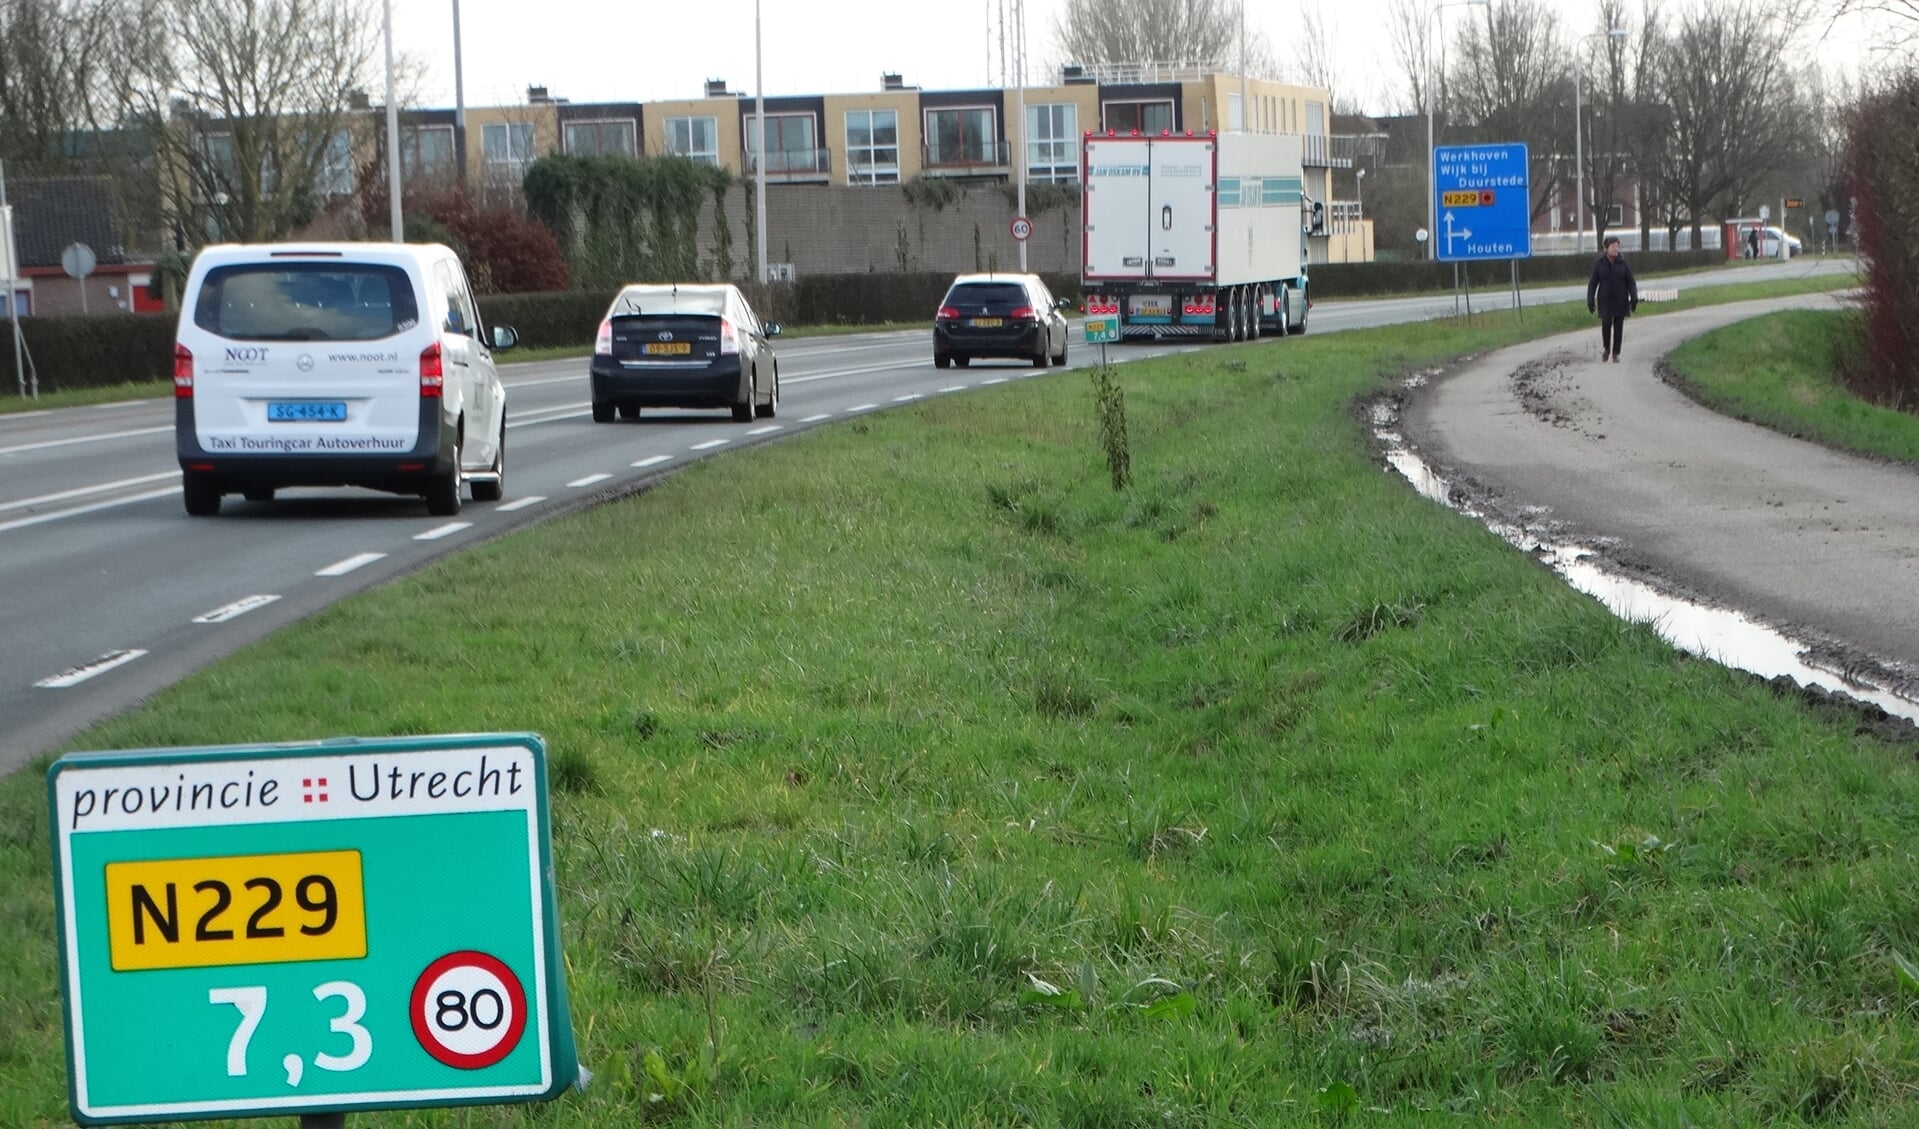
(1321, 151)
(966, 158)
(791, 164)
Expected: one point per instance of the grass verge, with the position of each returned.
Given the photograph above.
(909, 774)
(1780, 371)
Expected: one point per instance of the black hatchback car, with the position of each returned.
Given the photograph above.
(1000, 315)
(684, 345)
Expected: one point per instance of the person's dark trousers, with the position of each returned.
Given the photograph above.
(1611, 332)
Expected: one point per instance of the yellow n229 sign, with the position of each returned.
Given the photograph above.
(247, 909)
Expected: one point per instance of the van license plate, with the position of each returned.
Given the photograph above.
(306, 411)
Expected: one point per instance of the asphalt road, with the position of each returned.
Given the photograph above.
(109, 592)
(1819, 543)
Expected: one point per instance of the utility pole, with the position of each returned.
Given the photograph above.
(459, 101)
(8, 258)
(1019, 129)
(759, 145)
(392, 132)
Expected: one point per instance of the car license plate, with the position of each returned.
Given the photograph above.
(988, 323)
(667, 348)
(306, 411)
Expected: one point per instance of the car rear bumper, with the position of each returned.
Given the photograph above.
(716, 385)
(964, 341)
(399, 472)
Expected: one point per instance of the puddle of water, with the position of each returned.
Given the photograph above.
(1724, 636)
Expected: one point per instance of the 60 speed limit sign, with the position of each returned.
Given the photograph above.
(1022, 229)
(308, 928)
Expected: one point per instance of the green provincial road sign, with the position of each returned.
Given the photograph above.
(308, 928)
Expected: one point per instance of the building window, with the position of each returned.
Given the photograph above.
(426, 151)
(791, 144)
(1052, 143)
(335, 175)
(696, 139)
(1315, 118)
(602, 139)
(872, 147)
(1616, 215)
(1147, 117)
(507, 145)
(963, 136)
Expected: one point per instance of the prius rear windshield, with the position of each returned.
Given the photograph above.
(329, 301)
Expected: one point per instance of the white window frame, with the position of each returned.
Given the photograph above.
(522, 132)
(869, 163)
(628, 131)
(689, 124)
(1052, 149)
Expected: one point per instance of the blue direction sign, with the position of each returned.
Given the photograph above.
(1483, 198)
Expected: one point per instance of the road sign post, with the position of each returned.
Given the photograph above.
(308, 929)
(1483, 198)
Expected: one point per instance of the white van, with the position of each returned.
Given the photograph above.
(336, 364)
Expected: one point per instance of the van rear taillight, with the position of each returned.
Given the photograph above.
(432, 377)
(182, 372)
(603, 343)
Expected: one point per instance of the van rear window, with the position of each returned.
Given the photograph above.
(329, 301)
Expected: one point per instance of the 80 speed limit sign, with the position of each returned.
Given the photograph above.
(468, 1010)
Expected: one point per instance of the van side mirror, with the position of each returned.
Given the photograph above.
(504, 337)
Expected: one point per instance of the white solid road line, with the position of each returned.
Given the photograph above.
(341, 568)
(651, 460)
(235, 610)
(98, 666)
(100, 438)
(520, 503)
(447, 530)
(589, 480)
(41, 519)
(83, 491)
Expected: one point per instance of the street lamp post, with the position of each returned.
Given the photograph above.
(1579, 135)
(1359, 187)
(1432, 168)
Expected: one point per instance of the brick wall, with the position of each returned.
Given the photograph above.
(824, 229)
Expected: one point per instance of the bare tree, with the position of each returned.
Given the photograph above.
(1313, 55)
(1732, 107)
(251, 104)
(1614, 79)
(1409, 27)
(1510, 80)
(51, 75)
(1165, 31)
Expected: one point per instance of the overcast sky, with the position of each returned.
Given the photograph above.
(645, 50)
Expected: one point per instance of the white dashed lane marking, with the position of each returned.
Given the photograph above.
(651, 460)
(80, 674)
(764, 430)
(341, 568)
(862, 407)
(710, 444)
(589, 480)
(235, 610)
(817, 418)
(520, 503)
(446, 530)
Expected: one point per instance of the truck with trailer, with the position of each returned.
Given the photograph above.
(1196, 236)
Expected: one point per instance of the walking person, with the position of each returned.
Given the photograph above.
(1752, 242)
(1613, 295)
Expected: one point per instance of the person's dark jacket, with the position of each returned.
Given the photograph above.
(1611, 290)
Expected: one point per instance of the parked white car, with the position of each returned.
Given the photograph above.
(336, 364)
(1769, 243)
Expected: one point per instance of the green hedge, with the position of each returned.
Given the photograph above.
(90, 352)
(1354, 280)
